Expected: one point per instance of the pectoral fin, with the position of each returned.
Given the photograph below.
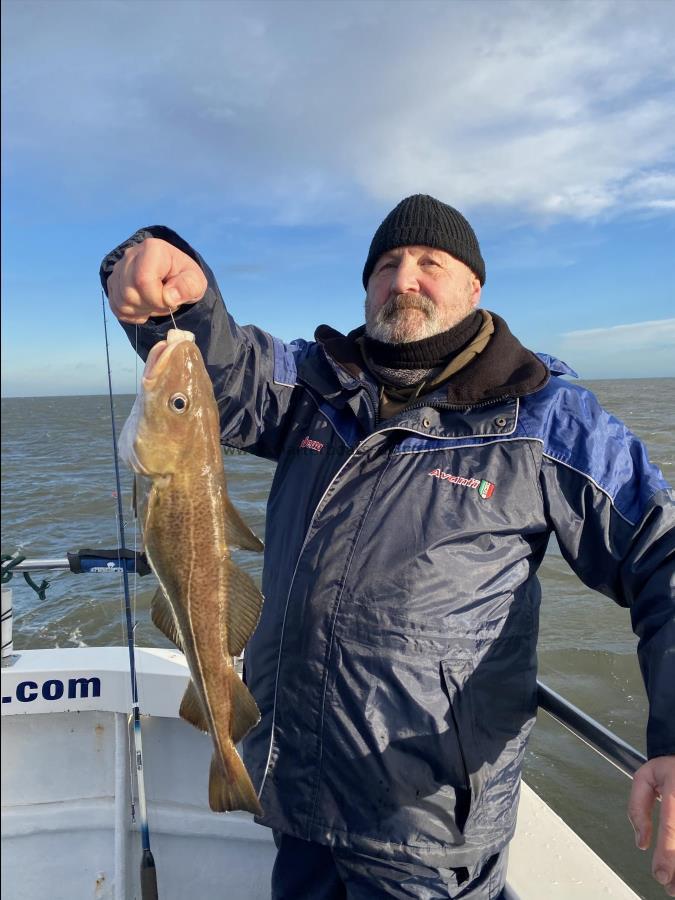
(163, 617)
(242, 610)
(237, 532)
(139, 498)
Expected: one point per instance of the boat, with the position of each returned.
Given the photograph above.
(70, 799)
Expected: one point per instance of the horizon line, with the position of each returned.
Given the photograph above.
(132, 394)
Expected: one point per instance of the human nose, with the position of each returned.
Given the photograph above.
(405, 277)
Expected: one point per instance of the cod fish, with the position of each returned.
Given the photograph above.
(205, 604)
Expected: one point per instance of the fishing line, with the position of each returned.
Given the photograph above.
(148, 871)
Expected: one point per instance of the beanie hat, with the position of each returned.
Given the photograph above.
(423, 220)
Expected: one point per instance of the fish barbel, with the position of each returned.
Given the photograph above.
(205, 604)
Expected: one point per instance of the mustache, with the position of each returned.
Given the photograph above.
(407, 301)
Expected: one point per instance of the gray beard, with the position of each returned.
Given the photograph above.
(390, 324)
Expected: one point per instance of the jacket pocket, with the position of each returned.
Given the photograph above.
(455, 679)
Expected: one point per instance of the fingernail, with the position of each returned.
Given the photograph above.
(661, 876)
(638, 840)
(172, 295)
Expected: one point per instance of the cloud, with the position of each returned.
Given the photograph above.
(309, 112)
(660, 204)
(636, 336)
(636, 350)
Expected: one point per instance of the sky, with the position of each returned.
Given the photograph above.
(275, 137)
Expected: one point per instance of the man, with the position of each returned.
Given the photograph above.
(423, 462)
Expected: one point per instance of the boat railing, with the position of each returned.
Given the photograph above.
(615, 750)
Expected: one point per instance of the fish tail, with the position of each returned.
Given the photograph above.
(229, 785)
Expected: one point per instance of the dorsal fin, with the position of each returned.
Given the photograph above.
(242, 610)
(244, 711)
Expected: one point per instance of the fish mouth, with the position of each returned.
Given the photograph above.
(130, 457)
(160, 353)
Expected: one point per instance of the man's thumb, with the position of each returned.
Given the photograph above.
(185, 287)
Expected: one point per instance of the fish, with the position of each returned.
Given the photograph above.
(205, 604)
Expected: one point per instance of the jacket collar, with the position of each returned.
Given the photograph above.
(503, 370)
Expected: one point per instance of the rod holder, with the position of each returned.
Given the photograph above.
(7, 642)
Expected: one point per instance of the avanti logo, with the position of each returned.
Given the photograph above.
(485, 488)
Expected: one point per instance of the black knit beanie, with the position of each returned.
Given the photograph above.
(423, 220)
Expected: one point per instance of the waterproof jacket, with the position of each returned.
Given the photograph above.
(394, 664)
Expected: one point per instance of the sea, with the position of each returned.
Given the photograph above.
(58, 495)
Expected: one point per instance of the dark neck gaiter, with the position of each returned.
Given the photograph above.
(413, 361)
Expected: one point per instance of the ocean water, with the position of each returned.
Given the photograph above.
(58, 495)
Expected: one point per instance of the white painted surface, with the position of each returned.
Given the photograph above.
(30, 686)
(545, 851)
(66, 823)
(66, 829)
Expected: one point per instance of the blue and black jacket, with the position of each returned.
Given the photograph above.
(395, 660)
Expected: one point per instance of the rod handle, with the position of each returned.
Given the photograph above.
(108, 561)
(148, 876)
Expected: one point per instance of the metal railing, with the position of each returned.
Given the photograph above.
(616, 751)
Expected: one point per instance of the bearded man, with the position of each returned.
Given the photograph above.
(423, 462)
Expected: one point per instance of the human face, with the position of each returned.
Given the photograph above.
(416, 292)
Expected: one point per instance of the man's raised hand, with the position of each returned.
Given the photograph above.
(152, 279)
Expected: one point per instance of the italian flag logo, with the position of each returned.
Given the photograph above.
(486, 489)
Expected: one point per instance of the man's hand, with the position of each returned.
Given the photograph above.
(656, 779)
(152, 279)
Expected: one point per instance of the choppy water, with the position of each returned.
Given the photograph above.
(58, 495)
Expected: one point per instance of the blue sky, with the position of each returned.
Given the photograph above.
(276, 136)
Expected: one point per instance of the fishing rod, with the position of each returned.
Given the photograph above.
(148, 870)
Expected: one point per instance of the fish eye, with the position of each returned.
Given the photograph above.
(179, 403)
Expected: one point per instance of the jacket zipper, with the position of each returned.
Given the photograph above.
(440, 404)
